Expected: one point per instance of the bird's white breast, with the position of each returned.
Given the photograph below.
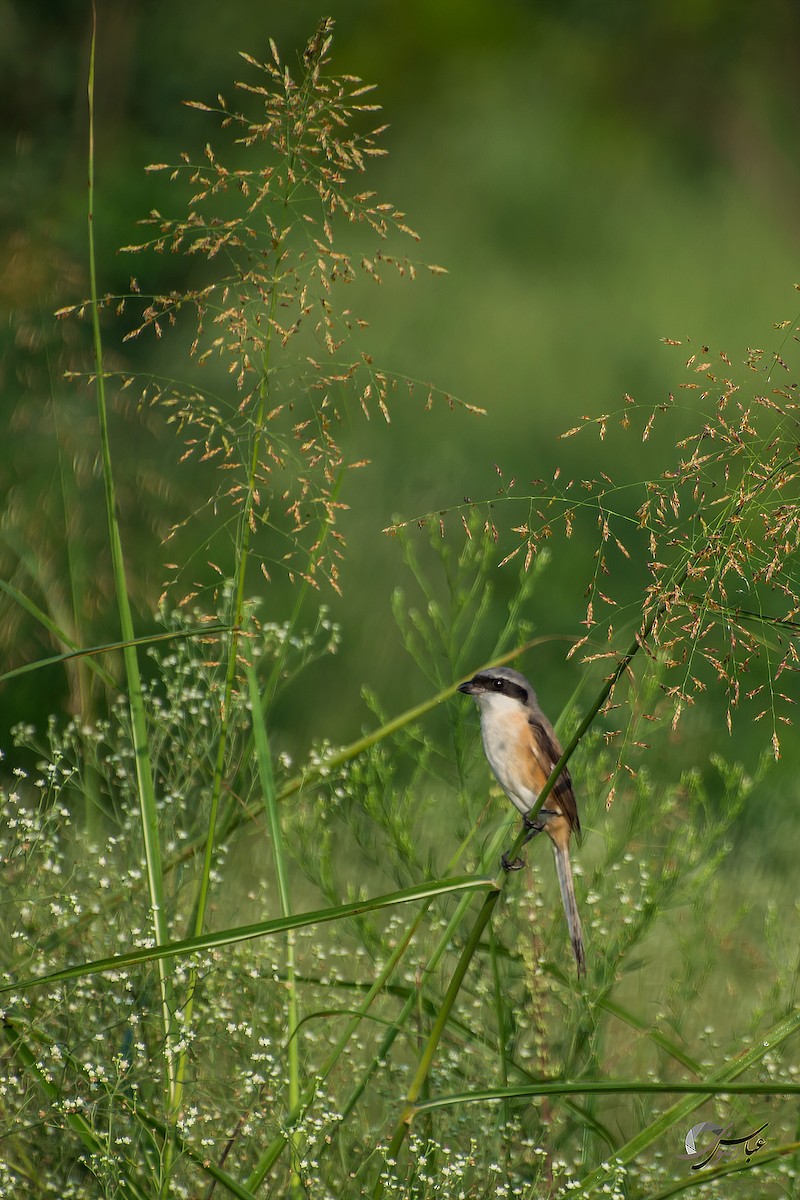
(505, 733)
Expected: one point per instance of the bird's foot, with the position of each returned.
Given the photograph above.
(532, 825)
(508, 865)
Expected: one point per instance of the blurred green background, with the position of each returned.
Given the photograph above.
(594, 179)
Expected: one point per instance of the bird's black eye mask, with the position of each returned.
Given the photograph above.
(506, 687)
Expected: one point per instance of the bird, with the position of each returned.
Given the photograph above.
(522, 749)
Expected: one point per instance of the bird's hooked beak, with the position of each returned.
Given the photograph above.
(470, 688)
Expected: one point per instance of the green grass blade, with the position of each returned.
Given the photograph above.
(144, 774)
(54, 630)
(89, 652)
(267, 779)
(604, 1087)
(243, 933)
(500, 1014)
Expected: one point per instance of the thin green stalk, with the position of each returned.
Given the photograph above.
(77, 572)
(144, 774)
(267, 778)
(500, 1016)
(268, 695)
(426, 1059)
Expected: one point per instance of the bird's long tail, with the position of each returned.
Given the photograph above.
(564, 872)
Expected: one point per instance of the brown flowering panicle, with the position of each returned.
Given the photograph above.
(717, 529)
(275, 354)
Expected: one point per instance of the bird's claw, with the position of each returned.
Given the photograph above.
(508, 865)
(532, 826)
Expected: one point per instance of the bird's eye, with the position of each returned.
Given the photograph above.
(499, 684)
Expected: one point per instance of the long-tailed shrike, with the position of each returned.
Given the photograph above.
(522, 750)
